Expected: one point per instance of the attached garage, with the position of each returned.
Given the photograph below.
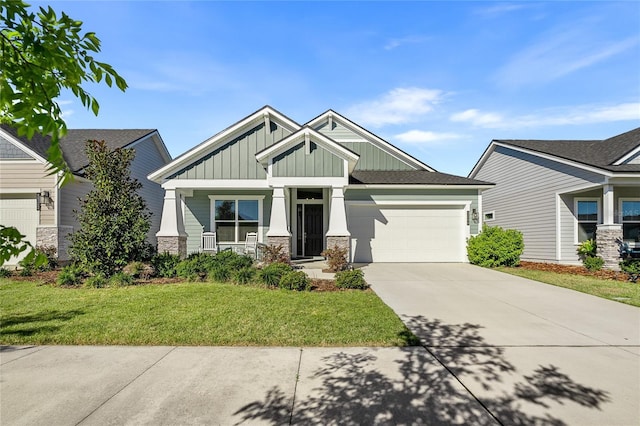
(20, 211)
(407, 233)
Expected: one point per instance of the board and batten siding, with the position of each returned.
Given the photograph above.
(319, 162)
(371, 156)
(236, 158)
(28, 175)
(418, 195)
(524, 198)
(197, 213)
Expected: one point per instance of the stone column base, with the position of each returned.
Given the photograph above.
(55, 236)
(608, 240)
(284, 241)
(342, 242)
(173, 245)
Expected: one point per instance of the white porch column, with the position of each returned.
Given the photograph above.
(172, 237)
(608, 205)
(337, 215)
(278, 233)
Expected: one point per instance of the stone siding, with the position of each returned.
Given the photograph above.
(343, 242)
(56, 236)
(608, 240)
(173, 245)
(285, 242)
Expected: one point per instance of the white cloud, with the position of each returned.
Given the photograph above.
(499, 9)
(398, 106)
(477, 118)
(397, 42)
(575, 115)
(559, 53)
(425, 137)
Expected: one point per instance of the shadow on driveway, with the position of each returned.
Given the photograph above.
(351, 388)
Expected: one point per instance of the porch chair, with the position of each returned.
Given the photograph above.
(251, 244)
(209, 242)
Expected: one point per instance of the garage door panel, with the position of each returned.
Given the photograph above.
(411, 234)
(21, 213)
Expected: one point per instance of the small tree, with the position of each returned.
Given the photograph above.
(113, 217)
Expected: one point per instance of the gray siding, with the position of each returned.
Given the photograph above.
(235, 159)
(524, 198)
(197, 213)
(29, 175)
(69, 195)
(9, 151)
(318, 163)
(417, 195)
(371, 157)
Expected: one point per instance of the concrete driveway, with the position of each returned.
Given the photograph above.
(531, 353)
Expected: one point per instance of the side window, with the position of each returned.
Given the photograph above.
(587, 216)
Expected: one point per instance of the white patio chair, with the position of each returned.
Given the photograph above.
(209, 242)
(251, 244)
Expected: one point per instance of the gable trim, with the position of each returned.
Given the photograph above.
(390, 149)
(263, 114)
(550, 157)
(20, 145)
(627, 157)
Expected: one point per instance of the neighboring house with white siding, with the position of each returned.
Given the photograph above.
(31, 199)
(308, 187)
(559, 193)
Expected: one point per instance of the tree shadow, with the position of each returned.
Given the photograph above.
(351, 389)
(40, 322)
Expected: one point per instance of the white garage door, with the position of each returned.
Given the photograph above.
(407, 233)
(20, 212)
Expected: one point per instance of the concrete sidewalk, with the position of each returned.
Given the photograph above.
(532, 353)
(88, 385)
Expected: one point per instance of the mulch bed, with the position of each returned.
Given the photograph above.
(604, 274)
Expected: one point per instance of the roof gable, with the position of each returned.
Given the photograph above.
(188, 165)
(12, 149)
(350, 134)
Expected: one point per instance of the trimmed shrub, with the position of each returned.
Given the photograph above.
(495, 247)
(295, 280)
(5, 273)
(632, 268)
(232, 260)
(336, 258)
(271, 274)
(587, 249)
(219, 273)
(120, 279)
(274, 254)
(244, 275)
(196, 266)
(351, 279)
(96, 281)
(165, 264)
(593, 263)
(71, 275)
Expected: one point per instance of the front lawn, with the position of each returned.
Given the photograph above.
(194, 314)
(620, 291)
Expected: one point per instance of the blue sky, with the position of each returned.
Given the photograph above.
(439, 80)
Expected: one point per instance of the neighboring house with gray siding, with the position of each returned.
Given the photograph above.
(560, 193)
(308, 187)
(31, 199)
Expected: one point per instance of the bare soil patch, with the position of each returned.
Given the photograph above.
(604, 274)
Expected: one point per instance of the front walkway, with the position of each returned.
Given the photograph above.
(530, 352)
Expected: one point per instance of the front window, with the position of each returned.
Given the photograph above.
(233, 218)
(630, 213)
(587, 214)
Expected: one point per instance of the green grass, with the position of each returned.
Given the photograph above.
(619, 291)
(195, 314)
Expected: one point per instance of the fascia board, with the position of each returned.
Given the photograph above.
(220, 138)
(627, 156)
(157, 141)
(377, 141)
(417, 186)
(23, 147)
(292, 140)
(483, 158)
(216, 184)
(557, 159)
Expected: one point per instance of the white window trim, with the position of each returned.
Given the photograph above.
(236, 198)
(493, 216)
(620, 215)
(575, 214)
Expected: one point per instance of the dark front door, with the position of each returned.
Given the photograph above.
(312, 229)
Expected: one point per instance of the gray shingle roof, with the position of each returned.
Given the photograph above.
(409, 177)
(597, 153)
(73, 143)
